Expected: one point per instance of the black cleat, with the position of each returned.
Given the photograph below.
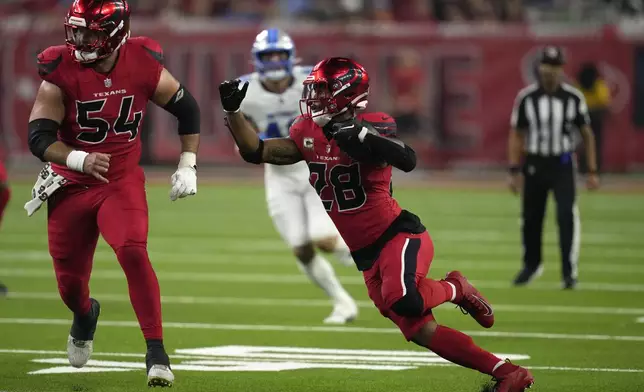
(3, 290)
(569, 284)
(526, 275)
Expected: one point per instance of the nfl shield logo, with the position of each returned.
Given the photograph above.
(328, 148)
(308, 143)
(108, 82)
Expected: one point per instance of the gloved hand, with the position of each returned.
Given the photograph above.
(184, 180)
(231, 95)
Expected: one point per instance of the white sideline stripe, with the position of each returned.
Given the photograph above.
(301, 279)
(135, 355)
(183, 258)
(292, 302)
(297, 328)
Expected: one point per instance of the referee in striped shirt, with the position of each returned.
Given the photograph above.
(545, 119)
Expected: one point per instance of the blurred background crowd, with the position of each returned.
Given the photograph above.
(489, 11)
(450, 86)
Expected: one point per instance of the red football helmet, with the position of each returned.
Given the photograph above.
(96, 28)
(335, 86)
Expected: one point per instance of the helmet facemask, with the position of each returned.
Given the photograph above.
(318, 102)
(92, 38)
(274, 64)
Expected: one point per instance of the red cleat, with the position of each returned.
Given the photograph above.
(514, 379)
(471, 301)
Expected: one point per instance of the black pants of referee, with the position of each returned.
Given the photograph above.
(542, 175)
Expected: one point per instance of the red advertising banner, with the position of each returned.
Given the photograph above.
(451, 89)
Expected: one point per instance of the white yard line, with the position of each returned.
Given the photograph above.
(193, 357)
(325, 329)
(640, 320)
(301, 279)
(294, 302)
(446, 235)
(205, 258)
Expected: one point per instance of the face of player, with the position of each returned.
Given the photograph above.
(86, 42)
(550, 74)
(275, 65)
(319, 106)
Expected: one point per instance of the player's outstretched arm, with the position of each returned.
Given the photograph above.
(177, 100)
(279, 151)
(390, 150)
(46, 116)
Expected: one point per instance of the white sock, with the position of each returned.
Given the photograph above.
(342, 252)
(320, 271)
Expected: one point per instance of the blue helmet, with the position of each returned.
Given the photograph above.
(268, 41)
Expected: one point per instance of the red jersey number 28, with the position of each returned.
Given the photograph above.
(345, 181)
(88, 117)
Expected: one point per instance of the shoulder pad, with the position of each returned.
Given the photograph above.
(151, 47)
(382, 122)
(50, 59)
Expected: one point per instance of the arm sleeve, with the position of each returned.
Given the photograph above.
(385, 145)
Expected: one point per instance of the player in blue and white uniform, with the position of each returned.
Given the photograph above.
(272, 103)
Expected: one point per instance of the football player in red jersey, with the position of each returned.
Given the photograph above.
(350, 156)
(86, 122)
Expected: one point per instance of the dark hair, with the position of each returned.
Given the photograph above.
(587, 75)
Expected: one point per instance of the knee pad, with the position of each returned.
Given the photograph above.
(411, 305)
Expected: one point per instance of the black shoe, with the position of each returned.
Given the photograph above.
(3, 290)
(569, 284)
(526, 275)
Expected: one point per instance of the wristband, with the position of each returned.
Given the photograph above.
(76, 160)
(188, 159)
(233, 112)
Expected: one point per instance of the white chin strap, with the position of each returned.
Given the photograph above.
(276, 74)
(85, 57)
(321, 119)
(88, 57)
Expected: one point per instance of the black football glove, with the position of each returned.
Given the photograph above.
(346, 134)
(231, 95)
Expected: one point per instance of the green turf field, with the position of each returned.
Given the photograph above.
(237, 310)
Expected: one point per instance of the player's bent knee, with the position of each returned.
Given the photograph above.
(424, 335)
(304, 253)
(326, 245)
(411, 305)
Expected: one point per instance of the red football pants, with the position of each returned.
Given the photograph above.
(119, 212)
(403, 264)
